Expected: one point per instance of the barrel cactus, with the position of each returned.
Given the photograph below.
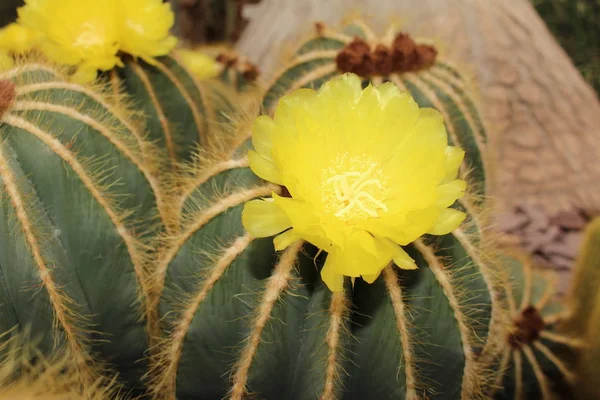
(584, 319)
(133, 256)
(79, 196)
(538, 359)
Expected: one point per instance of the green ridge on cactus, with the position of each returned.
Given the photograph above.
(170, 99)
(77, 195)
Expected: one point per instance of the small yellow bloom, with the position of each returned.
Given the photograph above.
(200, 65)
(367, 171)
(18, 39)
(144, 28)
(82, 33)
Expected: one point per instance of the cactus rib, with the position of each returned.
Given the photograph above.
(117, 220)
(171, 354)
(64, 315)
(140, 153)
(162, 118)
(338, 313)
(199, 120)
(395, 293)
(275, 286)
(465, 332)
(202, 218)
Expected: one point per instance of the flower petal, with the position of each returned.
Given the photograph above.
(450, 192)
(345, 90)
(285, 239)
(264, 168)
(304, 221)
(370, 278)
(364, 254)
(144, 27)
(262, 136)
(200, 65)
(403, 260)
(330, 273)
(454, 157)
(6, 61)
(449, 220)
(263, 218)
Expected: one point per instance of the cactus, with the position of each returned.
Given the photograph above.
(180, 109)
(585, 311)
(233, 305)
(537, 361)
(79, 196)
(84, 188)
(282, 317)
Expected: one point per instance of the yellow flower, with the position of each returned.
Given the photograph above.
(82, 33)
(144, 26)
(366, 171)
(18, 39)
(200, 65)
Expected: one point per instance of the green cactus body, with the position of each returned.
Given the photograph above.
(243, 319)
(231, 300)
(585, 312)
(537, 360)
(78, 197)
(179, 109)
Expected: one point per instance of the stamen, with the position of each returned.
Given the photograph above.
(356, 195)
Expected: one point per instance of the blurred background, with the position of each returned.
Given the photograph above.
(574, 23)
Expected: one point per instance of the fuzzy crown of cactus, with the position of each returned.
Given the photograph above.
(171, 242)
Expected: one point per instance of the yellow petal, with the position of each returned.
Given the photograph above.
(370, 278)
(448, 221)
(304, 221)
(364, 254)
(454, 157)
(200, 65)
(17, 38)
(6, 61)
(403, 260)
(262, 135)
(85, 74)
(285, 239)
(330, 275)
(449, 192)
(419, 160)
(263, 218)
(74, 32)
(346, 89)
(264, 168)
(144, 28)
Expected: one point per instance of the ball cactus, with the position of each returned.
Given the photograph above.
(126, 264)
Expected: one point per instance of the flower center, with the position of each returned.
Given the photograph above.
(353, 188)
